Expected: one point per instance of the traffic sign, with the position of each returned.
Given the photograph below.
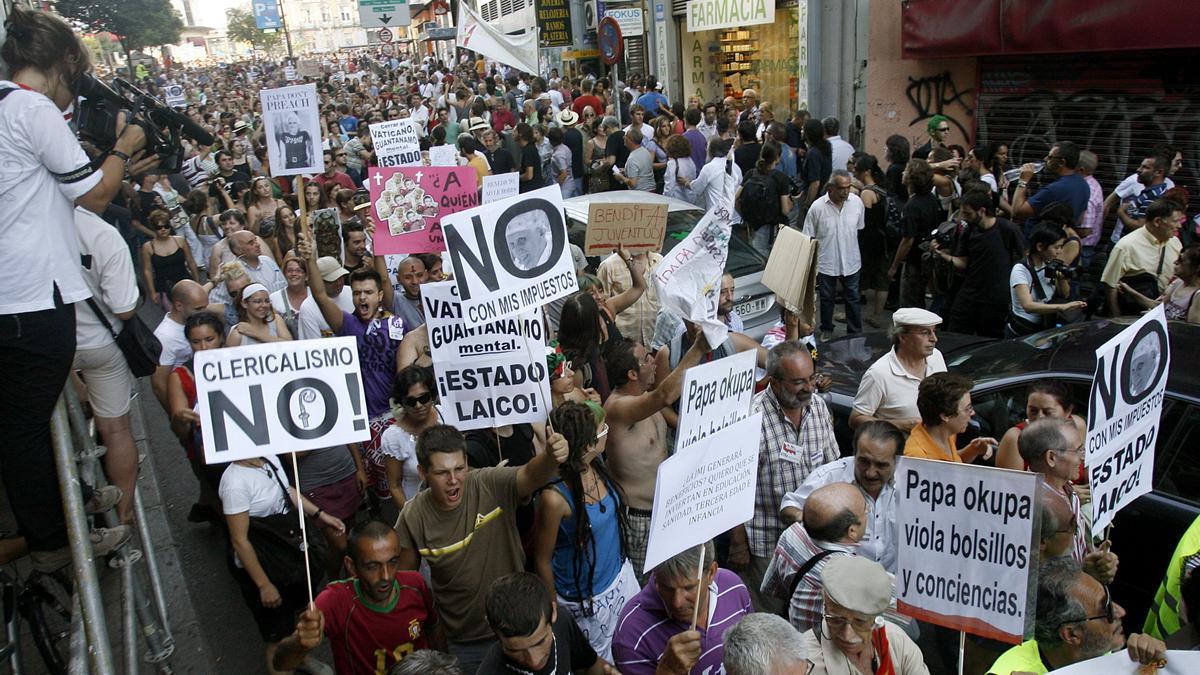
(611, 45)
(388, 49)
(385, 35)
(380, 13)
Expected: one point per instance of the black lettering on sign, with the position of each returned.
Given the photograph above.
(1117, 376)
(539, 213)
(255, 427)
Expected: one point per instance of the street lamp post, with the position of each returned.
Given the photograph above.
(287, 34)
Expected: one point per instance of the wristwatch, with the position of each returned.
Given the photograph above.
(119, 155)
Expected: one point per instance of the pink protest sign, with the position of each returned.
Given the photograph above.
(409, 202)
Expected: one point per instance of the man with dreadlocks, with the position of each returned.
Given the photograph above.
(579, 552)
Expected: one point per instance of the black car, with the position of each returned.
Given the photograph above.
(1145, 533)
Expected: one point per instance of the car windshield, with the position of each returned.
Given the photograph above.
(743, 259)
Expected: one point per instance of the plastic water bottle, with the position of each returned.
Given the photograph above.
(1013, 174)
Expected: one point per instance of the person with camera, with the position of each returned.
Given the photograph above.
(44, 174)
(985, 252)
(1037, 281)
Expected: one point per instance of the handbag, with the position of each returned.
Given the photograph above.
(279, 545)
(136, 341)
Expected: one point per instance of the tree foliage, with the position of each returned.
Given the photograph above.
(136, 23)
(241, 27)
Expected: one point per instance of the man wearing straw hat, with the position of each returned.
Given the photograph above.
(677, 623)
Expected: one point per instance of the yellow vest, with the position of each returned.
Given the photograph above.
(1163, 618)
(1024, 658)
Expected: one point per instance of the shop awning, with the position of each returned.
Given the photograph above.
(946, 28)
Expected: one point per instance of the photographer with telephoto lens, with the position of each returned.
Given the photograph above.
(44, 174)
(1038, 285)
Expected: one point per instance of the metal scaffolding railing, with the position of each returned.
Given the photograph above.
(143, 617)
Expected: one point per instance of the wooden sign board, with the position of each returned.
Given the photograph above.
(792, 271)
(639, 227)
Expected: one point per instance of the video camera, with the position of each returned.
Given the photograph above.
(1058, 268)
(164, 127)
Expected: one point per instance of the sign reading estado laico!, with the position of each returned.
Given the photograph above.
(713, 14)
(268, 399)
(1124, 409)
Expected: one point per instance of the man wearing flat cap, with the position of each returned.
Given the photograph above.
(888, 390)
(854, 639)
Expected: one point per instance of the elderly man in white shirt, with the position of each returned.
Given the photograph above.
(260, 268)
(872, 470)
(834, 221)
(888, 390)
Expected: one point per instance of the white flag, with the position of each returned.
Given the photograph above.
(688, 279)
(514, 50)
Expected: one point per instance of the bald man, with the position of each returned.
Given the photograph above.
(187, 298)
(834, 521)
(260, 268)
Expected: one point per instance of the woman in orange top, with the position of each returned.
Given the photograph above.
(944, 401)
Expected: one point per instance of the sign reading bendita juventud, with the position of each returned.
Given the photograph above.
(713, 14)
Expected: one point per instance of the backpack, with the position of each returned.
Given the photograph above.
(893, 216)
(759, 201)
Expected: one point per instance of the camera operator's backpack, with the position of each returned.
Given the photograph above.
(759, 200)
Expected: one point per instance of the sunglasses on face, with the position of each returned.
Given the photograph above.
(414, 401)
(1109, 614)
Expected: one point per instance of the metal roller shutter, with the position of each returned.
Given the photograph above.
(635, 55)
(1118, 105)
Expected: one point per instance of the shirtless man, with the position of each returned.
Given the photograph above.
(637, 436)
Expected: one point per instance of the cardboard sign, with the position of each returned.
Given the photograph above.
(689, 277)
(487, 374)
(308, 68)
(716, 395)
(639, 227)
(705, 491)
(396, 142)
(293, 130)
(792, 271)
(500, 187)
(443, 155)
(408, 205)
(1124, 409)
(510, 256)
(968, 550)
(278, 397)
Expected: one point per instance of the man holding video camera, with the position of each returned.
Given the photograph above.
(44, 174)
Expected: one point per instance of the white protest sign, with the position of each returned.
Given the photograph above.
(966, 547)
(488, 375)
(396, 143)
(1124, 409)
(704, 491)
(689, 277)
(715, 395)
(289, 71)
(292, 116)
(500, 187)
(174, 96)
(511, 255)
(1119, 663)
(279, 397)
(443, 155)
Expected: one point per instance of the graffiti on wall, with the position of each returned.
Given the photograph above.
(939, 95)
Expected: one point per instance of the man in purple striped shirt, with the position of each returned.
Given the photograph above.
(653, 636)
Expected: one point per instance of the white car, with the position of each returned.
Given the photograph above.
(754, 303)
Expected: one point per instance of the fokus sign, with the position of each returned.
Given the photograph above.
(713, 14)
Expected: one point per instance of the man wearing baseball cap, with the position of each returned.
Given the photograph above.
(311, 323)
(854, 636)
(888, 390)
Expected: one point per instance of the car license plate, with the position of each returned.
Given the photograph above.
(753, 307)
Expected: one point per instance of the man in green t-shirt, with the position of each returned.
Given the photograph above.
(1076, 621)
(463, 525)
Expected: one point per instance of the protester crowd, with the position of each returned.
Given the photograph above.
(520, 548)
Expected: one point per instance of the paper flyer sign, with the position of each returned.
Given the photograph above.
(443, 155)
(409, 203)
(488, 374)
(396, 142)
(689, 277)
(278, 397)
(293, 130)
(500, 187)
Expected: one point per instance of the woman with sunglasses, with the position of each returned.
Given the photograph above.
(166, 259)
(414, 407)
(578, 551)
